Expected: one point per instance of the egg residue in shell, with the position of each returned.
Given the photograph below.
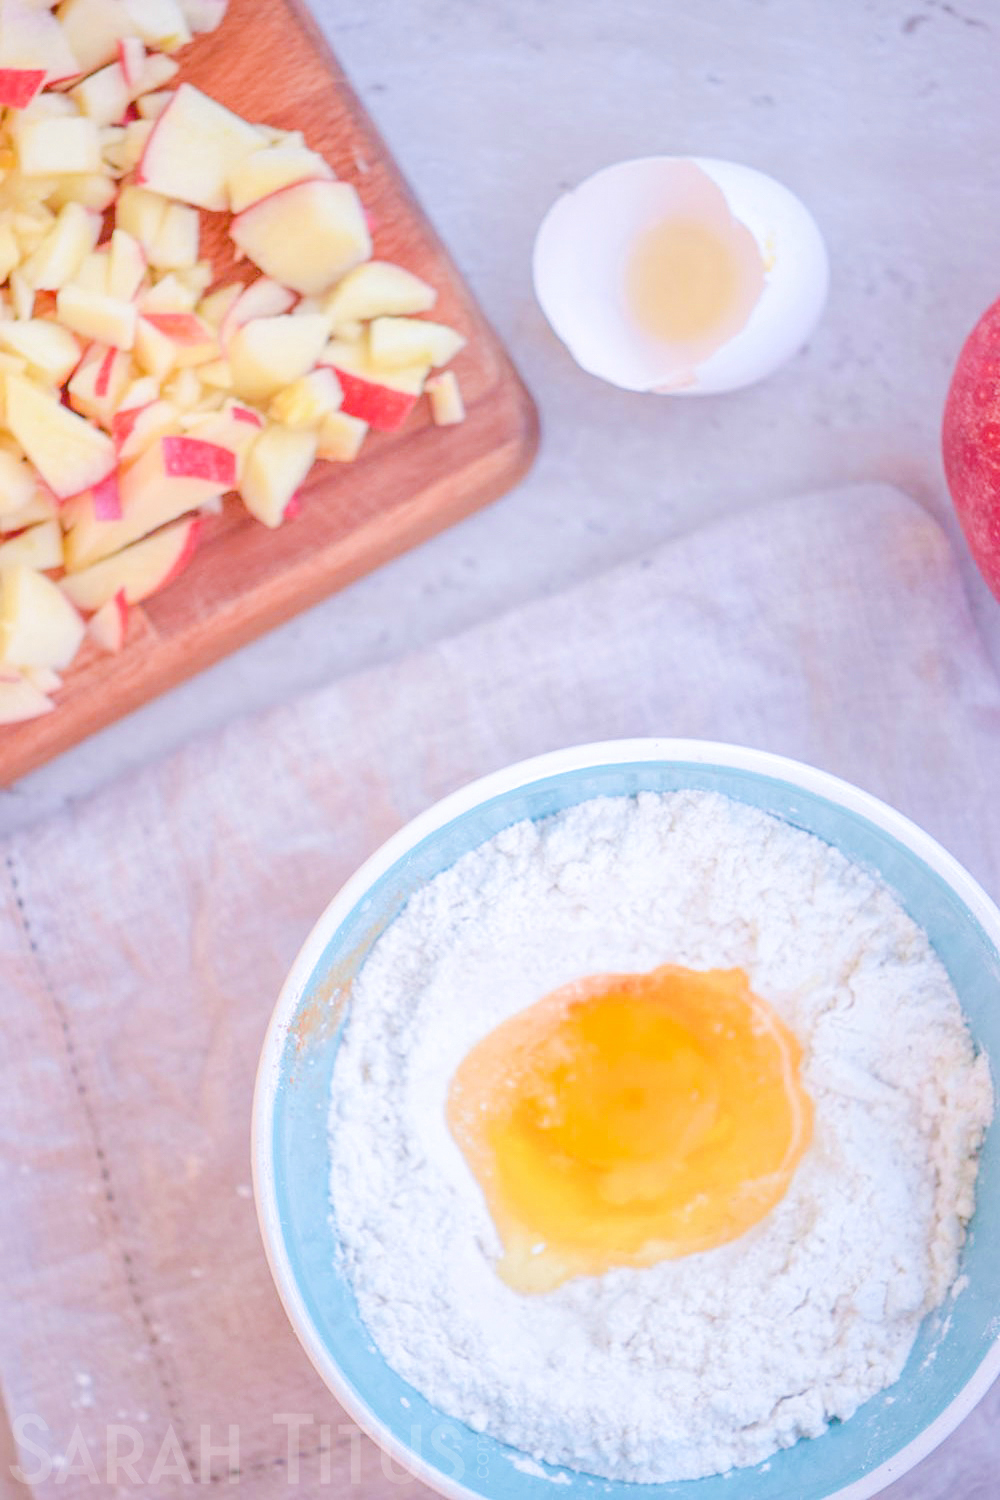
(681, 275)
(630, 1118)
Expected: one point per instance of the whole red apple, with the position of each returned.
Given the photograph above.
(971, 440)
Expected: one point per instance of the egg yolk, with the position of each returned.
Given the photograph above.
(630, 1118)
(695, 274)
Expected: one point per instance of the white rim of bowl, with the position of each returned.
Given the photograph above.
(522, 773)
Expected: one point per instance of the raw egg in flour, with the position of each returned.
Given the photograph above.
(630, 1118)
(681, 275)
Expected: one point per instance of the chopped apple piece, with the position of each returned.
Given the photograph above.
(192, 341)
(175, 475)
(17, 484)
(99, 383)
(38, 547)
(22, 296)
(269, 353)
(61, 253)
(93, 28)
(141, 214)
(35, 511)
(263, 298)
(10, 251)
(12, 364)
(305, 236)
(21, 700)
(126, 266)
(47, 106)
(140, 392)
(217, 375)
(104, 95)
(396, 342)
(377, 288)
(447, 406)
(94, 272)
(275, 467)
(151, 106)
(107, 628)
(160, 23)
(31, 38)
(216, 305)
(39, 627)
(382, 398)
(52, 146)
(340, 437)
(198, 277)
(176, 243)
(194, 146)
(135, 428)
(228, 429)
(69, 453)
(93, 190)
(138, 571)
(124, 150)
(168, 295)
(184, 389)
(93, 315)
(49, 350)
(132, 59)
(272, 167)
(305, 402)
(157, 71)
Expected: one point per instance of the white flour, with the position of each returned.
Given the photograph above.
(717, 1359)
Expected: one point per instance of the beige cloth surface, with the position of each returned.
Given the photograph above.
(143, 939)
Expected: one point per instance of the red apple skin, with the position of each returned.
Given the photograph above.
(183, 328)
(971, 443)
(18, 86)
(193, 458)
(243, 414)
(123, 421)
(378, 405)
(107, 499)
(103, 381)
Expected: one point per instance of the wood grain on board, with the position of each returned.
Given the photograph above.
(269, 62)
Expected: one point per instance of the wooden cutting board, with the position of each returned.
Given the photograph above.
(269, 62)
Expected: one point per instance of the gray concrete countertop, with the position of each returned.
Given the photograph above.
(881, 114)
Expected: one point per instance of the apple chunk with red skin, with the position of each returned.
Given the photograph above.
(137, 571)
(175, 475)
(276, 466)
(305, 236)
(30, 39)
(194, 146)
(382, 398)
(971, 441)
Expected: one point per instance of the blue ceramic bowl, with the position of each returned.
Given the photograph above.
(957, 1355)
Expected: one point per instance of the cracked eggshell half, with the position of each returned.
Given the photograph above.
(585, 252)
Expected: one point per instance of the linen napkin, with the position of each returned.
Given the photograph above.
(144, 936)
